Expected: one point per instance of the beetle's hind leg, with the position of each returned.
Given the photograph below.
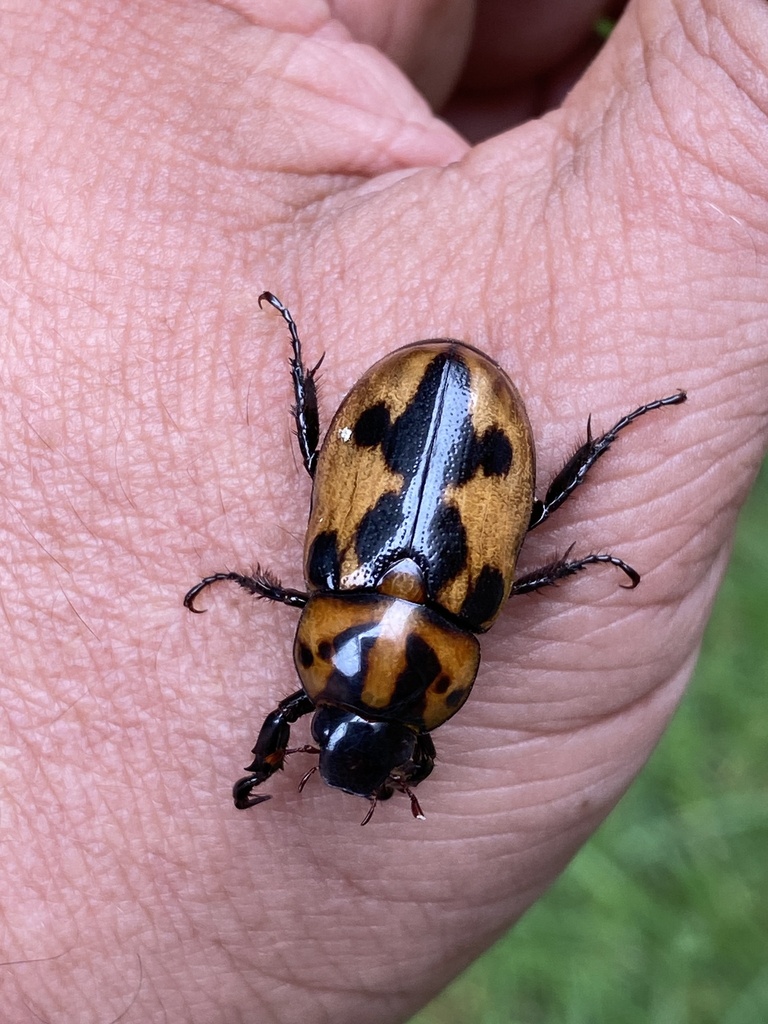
(260, 584)
(577, 467)
(305, 411)
(271, 748)
(560, 568)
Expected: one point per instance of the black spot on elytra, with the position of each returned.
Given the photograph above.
(325, 650)
(441, 685)
(305, 655)
(323, 567)
(491, 453)
(403, 441)
(372, 426)
(483, 600)
(455, 697)
(408, 438)
(432, 447)
(447, 547)
(377, 526)
(496, 458)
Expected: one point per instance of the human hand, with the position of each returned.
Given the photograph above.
(165, 164)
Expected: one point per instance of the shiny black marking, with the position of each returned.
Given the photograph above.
(323, 567)
(448, 555)
(422, 667)
(411, 435)
(377, 524)
(440, 562)
(432, 446)
(491, 453)
(349, 657)
(483, 600)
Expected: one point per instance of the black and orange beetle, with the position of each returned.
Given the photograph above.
(423, 491)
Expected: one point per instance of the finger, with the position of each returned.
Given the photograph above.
(427, 41)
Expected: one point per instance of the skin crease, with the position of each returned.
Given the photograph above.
(161, 165)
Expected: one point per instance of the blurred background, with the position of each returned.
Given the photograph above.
(663, 916)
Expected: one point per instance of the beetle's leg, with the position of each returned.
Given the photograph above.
(423, 760)
(561, 567)
(385, 793)
(577, 467)
(304, 389)
(416, 810)
(261, 584)
(421, 765)
(271, 747)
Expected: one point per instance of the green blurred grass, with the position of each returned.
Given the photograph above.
(663, 916)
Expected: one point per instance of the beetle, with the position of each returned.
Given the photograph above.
(423, 492)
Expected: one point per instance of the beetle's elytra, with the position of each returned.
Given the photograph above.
(423, 492)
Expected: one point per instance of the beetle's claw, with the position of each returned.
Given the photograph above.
(371, 809)
(416, 810)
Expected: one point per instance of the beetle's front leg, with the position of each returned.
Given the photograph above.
(577, 467)
(423, 760)
(271, 748)
(421, 766)
(305, 410)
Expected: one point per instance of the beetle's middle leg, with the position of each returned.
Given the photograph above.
(304, 389)
(577, 467)
(260, 584)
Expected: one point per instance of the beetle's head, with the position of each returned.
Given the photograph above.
(357, 755)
